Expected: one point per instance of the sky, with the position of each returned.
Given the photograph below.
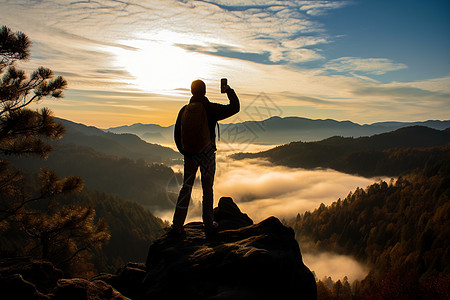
(132, 61)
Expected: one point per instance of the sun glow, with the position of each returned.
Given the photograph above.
(160, 64)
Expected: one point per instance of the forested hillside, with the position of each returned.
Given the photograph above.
(134, 180)
(400, 229)
(132, 229)
(387, 154)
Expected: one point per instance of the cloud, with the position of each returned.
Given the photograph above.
(307, 99)
(261, 46)
(336, 266)
(375, 66)
(230, 52)
(317, 8)
(439, 85)
(405, 92)
(279, 27)
(263, 190)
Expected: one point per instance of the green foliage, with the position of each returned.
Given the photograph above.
(13, 46)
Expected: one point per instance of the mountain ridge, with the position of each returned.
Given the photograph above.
(280, 130)
(386, 154)
(117, 144)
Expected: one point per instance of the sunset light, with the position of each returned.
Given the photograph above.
(225, 149)
(317, 59)
(158, 63)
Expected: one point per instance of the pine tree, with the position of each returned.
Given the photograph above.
(23, 131)
(57, 232)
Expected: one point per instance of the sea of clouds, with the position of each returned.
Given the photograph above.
(262, 189)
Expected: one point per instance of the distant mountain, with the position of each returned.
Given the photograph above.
(277, 130)
(148, 132)
(387, 154)
(435, 124)
(122, 145)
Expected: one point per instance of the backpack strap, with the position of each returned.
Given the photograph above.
(218, 131)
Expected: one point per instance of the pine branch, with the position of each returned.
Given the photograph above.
(14, 211)
(13, 109)
(72, 257)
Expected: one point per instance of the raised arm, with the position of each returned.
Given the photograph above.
(224, 111)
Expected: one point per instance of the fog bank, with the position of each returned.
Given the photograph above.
(262, 189)
(336, 266)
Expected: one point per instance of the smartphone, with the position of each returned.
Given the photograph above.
(223, 85)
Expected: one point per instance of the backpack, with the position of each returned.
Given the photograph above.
(195, 135)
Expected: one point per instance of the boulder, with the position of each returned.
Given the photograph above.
(15, 287)
(43, 274)
(229, 216)
(27, 278)
(127, 279)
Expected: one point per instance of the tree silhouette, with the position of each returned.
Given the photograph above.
(23, 131)
(59, 232)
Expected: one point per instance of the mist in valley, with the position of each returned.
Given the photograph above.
(262, 189)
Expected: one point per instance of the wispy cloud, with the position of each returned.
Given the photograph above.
(275, 47)
(317, 8)
(375, 66)
(281, 28)
(405, 92)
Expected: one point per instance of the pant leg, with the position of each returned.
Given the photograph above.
(207, 170)
(184, 197)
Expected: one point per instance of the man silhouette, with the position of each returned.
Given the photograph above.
(206, 160)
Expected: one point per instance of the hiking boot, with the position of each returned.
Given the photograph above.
(175, 231)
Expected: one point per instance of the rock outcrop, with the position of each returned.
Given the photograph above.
(241, 261)
(261, 261)
(26, 278)
(127, 280)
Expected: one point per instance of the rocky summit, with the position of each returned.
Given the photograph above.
(241, 261)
